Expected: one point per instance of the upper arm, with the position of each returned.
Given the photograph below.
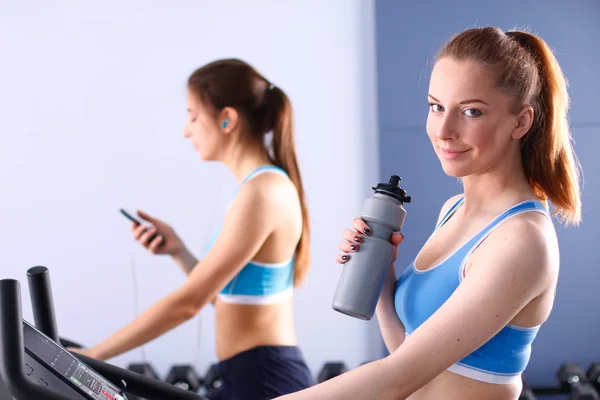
(517, 267)
(246, 226)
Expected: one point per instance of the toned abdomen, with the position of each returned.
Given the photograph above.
(242, 327)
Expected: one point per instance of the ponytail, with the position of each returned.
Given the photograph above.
(547, 153)
(284, 156)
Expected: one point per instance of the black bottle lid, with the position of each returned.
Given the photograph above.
(392, 189)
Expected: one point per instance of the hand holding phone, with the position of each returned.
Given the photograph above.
(138, 222)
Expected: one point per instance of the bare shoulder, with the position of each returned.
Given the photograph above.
(526, 245)
(270, 189)
(529, 230)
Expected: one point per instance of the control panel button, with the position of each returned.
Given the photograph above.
(108, 395)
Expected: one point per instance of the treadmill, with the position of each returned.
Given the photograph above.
(35, 366)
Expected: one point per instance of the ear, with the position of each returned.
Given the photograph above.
(228, 119)
(524, 122)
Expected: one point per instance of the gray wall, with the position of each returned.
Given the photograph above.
(407, 37)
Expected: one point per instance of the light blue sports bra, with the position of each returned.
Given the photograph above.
(419, 294)
(259, 283)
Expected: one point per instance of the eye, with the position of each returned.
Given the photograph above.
(435, 107)
(473, 112)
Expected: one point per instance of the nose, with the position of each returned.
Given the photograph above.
(446, 128)
(186, 132)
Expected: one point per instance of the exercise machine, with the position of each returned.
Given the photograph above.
(34, 366)
(145, 369)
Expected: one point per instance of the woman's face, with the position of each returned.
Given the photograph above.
(470, 124)
(202, 129)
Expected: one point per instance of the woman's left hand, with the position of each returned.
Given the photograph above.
(84, 352)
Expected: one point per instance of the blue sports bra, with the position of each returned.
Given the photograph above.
(419, 294)
(259, 283)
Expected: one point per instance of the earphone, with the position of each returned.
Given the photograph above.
(224, 124)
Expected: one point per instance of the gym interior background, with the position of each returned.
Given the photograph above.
(93, 100)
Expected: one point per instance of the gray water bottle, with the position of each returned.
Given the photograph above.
(363, 275)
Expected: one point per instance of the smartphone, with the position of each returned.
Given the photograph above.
(130, 217)
(138, 222)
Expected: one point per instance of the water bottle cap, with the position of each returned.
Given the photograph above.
(392, 189)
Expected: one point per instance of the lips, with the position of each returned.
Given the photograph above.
(451, 154)
(451, 151)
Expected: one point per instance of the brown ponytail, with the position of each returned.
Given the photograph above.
(284, 156)
(265, 108)
(526, 69)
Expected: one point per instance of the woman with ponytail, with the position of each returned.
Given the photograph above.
(261, 251)
(460, 320)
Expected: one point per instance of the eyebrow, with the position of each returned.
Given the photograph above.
(468, 101)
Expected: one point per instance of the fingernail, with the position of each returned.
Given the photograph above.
(357, 239)
(366, 231)
(344, 257)
(352, 247)
(402, 235)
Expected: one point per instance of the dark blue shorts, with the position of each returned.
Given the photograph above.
(262, 373)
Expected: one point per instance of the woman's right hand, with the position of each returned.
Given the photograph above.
(166, 240)
(354, 238)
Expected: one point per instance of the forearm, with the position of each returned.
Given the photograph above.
(166, 314)
(185, 260)
(372, 381)
(392, 330)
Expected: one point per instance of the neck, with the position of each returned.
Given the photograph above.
(496, 185)
(243, 158)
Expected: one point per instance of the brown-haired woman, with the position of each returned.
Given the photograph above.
(460, 320)
(261, 251)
